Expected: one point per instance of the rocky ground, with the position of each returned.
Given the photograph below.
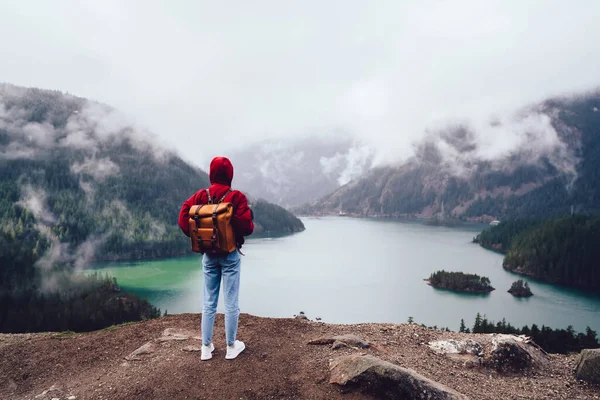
(278, 363)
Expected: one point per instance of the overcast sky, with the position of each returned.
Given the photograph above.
(227, 73)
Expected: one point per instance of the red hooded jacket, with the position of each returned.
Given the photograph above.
(221, 175)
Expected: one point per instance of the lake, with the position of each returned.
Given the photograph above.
(349, 270)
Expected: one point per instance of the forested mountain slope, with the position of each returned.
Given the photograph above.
(93, 183)
(79, 183)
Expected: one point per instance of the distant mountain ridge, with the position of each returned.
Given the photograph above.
(291, 172)
(548, 175)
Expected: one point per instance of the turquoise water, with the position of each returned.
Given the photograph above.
(348, 270)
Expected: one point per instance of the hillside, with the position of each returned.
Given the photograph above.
(94, 184)
(278, 363)
(561, 250)
(556, 167)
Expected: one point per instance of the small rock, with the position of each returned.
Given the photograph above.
(71, 398)
(50, 393)
(192, 348)
(171, 339)
(349, 340)
(588, 366)
(146, 349)
(338, 345)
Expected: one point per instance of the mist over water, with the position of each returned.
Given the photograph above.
(360, 270)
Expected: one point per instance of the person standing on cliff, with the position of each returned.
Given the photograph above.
(225, 267)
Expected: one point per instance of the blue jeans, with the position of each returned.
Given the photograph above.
(215, 267)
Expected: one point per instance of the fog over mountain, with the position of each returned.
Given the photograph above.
(292, 172)
(554, 170)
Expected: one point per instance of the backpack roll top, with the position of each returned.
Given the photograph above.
(210, 227)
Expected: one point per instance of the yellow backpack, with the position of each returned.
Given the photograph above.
(210, 227)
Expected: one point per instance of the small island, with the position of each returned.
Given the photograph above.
(460, 282)
(520, 289)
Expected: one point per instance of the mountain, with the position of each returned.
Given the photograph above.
(555, 165)
(94, 186)
(291, 172)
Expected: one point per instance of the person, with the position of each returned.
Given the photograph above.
(217, 267)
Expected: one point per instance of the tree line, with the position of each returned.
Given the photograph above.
(551, 340)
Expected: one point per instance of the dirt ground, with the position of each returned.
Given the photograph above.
(277, 364)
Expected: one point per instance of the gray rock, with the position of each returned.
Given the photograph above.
(171, 339)
(341, 340)
(146, 349)
(192, 348)
(588, 366)
(456, 347)
(171, 334)
(386, 380)
(467, 351)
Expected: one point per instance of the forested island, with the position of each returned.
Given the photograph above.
(520, 289)
(460, 282)
(562, 250)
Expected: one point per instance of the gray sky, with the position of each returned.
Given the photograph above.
(227, 73)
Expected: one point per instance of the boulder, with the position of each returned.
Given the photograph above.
(349, 340)
(146, 349)
(386, 380)
(516, 353)
(588, 366)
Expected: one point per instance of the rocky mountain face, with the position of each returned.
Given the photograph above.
(290, 172)
(551, 167)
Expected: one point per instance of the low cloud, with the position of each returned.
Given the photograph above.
(99, 169)
(34, 200)
(83, 126)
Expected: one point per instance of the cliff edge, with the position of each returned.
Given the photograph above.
(285, 358)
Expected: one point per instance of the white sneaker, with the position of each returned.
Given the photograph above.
(235, 350)
(207, 352)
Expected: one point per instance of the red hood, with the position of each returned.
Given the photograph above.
(221, 171)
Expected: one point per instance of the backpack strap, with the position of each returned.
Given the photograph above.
(210, 199)
(225, 195)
